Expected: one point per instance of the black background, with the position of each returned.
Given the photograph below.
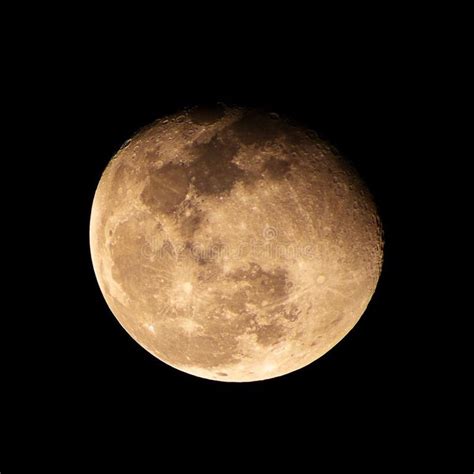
(365, 97)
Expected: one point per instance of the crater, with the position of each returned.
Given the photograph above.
(292, 313)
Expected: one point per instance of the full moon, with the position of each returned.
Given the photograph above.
(234, 245)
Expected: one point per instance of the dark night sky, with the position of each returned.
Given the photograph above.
(89, 374)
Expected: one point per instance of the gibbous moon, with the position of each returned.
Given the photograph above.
(234, 245)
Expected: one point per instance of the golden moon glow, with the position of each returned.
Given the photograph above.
(233, 245)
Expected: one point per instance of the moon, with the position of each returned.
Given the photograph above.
(233, 244)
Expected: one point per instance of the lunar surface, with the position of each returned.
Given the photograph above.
(234, 245)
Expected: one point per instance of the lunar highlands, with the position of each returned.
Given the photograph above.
(233, 244)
